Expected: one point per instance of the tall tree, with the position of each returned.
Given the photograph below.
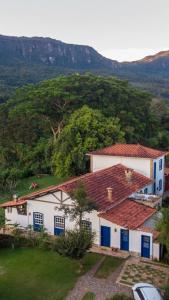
(81, 204)
(87, 130)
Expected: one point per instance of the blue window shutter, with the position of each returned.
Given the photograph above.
(154, 170)
(160, 164)
(160, 184)
(145, 190)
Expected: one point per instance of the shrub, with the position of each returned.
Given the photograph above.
(74, 243)
(166, 292)
(6, 241)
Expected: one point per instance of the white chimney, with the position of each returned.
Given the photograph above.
(110, 194)
(128, 174)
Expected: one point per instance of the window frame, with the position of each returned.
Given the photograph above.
(86, 225)
(160, 164)
(160, 184)
(37, 218)
(59, 222)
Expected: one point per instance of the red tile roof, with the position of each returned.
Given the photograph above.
(129, 214)
(129, 150)
(96, 185)
(13, 203)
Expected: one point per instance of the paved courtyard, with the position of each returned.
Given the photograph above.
(135, 271)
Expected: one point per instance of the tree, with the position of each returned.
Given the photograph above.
(163, 227)
(87, 130)
(75, 243)
(81, 204)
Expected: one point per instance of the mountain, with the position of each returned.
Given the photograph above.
(49, 52)
(26, 60)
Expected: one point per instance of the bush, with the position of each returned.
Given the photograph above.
(166, 292)
(6, 241)
(74, 243)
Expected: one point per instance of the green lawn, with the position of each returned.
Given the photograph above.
(34, 274)
(109, 265)
(89, 296)
(24, 184)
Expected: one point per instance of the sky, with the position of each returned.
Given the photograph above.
(123, 30)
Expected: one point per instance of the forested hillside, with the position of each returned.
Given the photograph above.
(48, 127)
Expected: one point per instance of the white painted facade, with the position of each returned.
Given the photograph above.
(49, 205)
(144, 166)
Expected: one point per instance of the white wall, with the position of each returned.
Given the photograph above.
(134, 237)
(14, 217)
(156, 251)
(141, 165)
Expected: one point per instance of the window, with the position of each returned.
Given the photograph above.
(38, 218)
(9, 210)
(160, 184)
(160, 164)
(22, 209)
(87, 225)
(59, 222)
(146, 191)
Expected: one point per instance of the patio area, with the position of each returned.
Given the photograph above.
(136, 270)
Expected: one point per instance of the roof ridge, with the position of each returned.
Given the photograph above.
(53, 187)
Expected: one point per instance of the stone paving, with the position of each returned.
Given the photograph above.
(102, 288)
(135, 271)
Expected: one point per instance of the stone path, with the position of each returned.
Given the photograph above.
(102, 288)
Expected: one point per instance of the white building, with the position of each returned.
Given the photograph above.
(147, 161)
(124, 218)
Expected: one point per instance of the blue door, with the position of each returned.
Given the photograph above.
(145, 246)
(124, 245)
(38, 221)
(59, 225)
(105, 236)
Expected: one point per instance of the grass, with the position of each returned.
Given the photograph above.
(89, 296)
(24, 184)
(120, 297)
(39, 275)
(109, 265)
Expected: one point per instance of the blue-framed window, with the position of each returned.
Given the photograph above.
(59, 222)
(146, 191)
(160, 184)
(160, 164)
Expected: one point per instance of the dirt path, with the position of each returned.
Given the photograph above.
(102, 288)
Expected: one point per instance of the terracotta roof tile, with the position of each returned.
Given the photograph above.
(13, 203)
(129, 214)
(96, 185)
(129, 150)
